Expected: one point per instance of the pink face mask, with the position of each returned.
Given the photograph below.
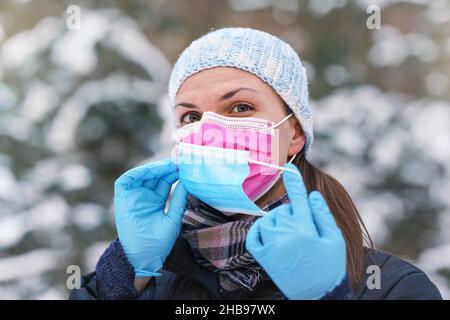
(257, 136)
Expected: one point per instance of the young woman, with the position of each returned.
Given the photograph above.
(267, 225)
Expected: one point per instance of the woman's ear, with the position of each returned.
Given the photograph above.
(298, 138)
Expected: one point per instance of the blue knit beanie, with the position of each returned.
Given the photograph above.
(264, 55)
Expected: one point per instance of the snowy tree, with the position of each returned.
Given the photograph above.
(78, 107)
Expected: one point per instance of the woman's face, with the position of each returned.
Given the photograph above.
(233, 92)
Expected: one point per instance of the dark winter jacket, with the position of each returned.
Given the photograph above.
(183, 278)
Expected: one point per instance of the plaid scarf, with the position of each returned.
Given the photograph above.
(218, 244)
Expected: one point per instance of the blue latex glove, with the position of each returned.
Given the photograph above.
(299, 244)
(146, 232)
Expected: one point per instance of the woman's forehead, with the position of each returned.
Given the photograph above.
(219, 79)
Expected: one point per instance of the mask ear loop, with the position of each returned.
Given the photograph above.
(276, 125)
(275, 166)
(283, 120)
(280, 168)
(293, 157)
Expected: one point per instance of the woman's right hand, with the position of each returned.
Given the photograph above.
(146, 232)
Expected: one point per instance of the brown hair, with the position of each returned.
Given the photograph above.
(344, 212)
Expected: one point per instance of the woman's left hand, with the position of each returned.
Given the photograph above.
(299, 244)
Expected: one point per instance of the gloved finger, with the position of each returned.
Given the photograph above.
(168, 179)
(269, 234)
(323, 218)
(284, 209)
(155, 171)
(162, 167)
(177, 203)
(283, 216)
(140, 199)
(298, 197)
(253, 242)
(134, 177)
(268, 218)
(171, 177)
(272, 227)
(150, 183)
(164, 184)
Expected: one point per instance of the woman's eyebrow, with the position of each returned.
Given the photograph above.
(231, 93)
(186, 105)
(226, 96)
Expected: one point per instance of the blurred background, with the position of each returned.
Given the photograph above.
(80, 106)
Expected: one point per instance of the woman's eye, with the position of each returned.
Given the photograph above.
(190, 117)
(242, 107)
